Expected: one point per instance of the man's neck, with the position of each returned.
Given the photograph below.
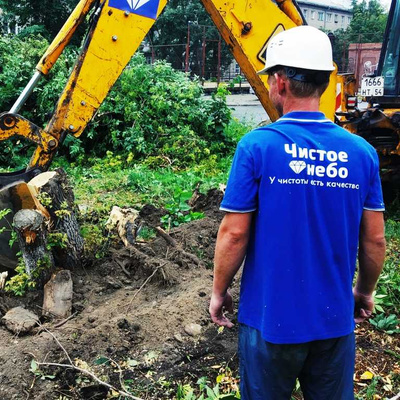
(301, 104)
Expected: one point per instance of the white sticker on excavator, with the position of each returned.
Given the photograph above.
(145, 8)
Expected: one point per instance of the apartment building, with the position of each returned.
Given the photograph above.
(329, 15)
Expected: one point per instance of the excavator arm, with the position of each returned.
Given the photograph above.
(117, 29)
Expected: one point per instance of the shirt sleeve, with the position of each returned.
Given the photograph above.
(374, 199)
(241, 193)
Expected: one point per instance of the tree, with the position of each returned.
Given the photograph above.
(368, 22)
(367, 26)
(170, 33)
(40, 16)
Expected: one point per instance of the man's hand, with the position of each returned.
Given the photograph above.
(218, 305)
(363, 307)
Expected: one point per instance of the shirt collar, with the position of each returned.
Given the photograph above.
(305, 116)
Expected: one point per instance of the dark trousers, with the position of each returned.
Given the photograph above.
(268, 371)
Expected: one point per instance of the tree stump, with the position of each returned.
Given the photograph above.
(32, 238)
(56, 195)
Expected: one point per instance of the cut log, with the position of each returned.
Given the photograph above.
(55, 193)
(58, 295)
(32, 238)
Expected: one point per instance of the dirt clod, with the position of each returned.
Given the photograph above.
(20, 321)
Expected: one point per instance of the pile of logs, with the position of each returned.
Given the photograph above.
(47, 210)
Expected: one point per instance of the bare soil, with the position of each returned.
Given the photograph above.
(131, 325)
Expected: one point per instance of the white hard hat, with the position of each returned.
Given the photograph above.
(301, 47)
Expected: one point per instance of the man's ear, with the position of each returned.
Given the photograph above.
(281, 83)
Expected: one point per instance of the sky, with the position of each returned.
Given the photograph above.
(385, 3)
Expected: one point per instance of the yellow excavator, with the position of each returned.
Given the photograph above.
(379, 123)
(117, 29)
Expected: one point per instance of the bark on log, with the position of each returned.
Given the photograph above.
(32, 238)
(63, 211)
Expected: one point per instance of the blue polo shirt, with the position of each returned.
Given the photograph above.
(307, 181)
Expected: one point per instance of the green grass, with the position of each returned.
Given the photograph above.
(98, 190)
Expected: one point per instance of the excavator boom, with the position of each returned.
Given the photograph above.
(117, 29)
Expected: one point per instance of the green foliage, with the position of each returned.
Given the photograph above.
(186, 392)
(387, 324)
(18, 59)
(179, 210)
(3, 213)
(96, 242)
(367, 26)
(48, 15)
(57, 240)
(146, 233)
(155, 111)
(45, 199)
(21, 282)
(369, 392)
(38, 372)
(387, 295)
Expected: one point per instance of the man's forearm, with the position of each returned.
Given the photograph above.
(229, 255)
(371, 254)
(230, 251)
(370, 257)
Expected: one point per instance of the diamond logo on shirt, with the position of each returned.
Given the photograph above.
(297, 166)
(145, 8)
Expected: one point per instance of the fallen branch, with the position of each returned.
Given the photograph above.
(165, 236)
(124, 270)
(29, 391)
(64, 321)
(83, 371)
(397, 397)
(173, 244)
(92, 375)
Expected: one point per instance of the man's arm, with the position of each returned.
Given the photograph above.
(371, 255)
(230, 250)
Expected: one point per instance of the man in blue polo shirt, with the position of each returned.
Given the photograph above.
(302, 200)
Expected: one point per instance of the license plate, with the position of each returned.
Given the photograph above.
(372, 86)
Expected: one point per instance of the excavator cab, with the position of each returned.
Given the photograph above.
(389, 63)
(380, 123)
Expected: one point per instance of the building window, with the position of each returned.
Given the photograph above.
(336, 18)
(237, 68)
(342, 19)
(312, 14)
(348, 20)
(320, 16)
(305, 13)
(328, 17)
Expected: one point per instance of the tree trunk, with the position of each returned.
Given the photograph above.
(32, 238)
(56, 194)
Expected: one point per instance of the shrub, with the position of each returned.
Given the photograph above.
(18, 58)
(155, 111)
(152, 111)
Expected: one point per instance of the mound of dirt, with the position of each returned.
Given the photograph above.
(144, 306)
(141, 323)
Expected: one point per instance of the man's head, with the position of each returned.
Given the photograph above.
(302, 58)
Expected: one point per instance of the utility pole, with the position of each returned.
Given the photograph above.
(187, 48)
